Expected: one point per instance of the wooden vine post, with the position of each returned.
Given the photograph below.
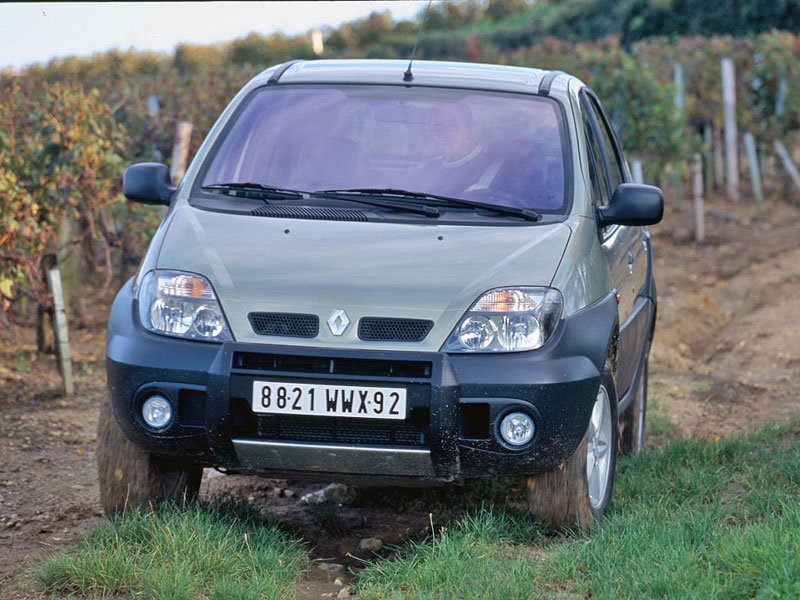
(317, 43)
(719, 161)
(637, 172)
(60, 329)
(153, 110)
(180, 152)
(697, 193)
(731, 132)
(69, 266)
(787, 162)
(755, 172)
(708, 158)
(676, 172)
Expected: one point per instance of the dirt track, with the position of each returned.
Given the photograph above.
(725, 358)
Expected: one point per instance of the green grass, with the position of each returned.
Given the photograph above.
(480, 556)
(214, 551)
(698, 519)
(659, 423)
(695, 519)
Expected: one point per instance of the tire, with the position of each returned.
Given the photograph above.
(632, 421)
(577, 493)
(130, 477)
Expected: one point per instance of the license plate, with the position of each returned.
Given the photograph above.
(284, 398)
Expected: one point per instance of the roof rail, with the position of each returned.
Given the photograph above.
(280, 71)
(547, 81)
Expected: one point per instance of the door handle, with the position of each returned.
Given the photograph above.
(630, 262)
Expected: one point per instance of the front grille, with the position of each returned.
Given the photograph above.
(309, 212)
(285, 324)
(411, 432)
(256, 361)
(381, 329)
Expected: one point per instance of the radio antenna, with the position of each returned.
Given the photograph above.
(407, 76)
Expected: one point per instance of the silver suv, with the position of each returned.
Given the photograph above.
(372, 278)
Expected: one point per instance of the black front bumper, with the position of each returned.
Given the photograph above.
(455, 402)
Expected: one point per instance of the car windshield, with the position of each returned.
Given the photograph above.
(497, 148)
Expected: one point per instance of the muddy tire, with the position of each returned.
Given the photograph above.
(632, 421)
(130, 477)
(577, 493)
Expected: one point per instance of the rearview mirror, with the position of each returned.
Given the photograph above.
(633, 204)
(148, 183)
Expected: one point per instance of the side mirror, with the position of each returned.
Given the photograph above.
(148, 183)
(633, 204)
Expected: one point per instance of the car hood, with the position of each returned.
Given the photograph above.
(393, 270)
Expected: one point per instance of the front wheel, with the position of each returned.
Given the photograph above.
(130, 477)
(577, 493)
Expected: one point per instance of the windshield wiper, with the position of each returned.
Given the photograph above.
(277, 193)
(525, 213)
(347, 195)
(262, 190)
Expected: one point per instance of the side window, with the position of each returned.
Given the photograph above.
(608, 160)
(608, 140)
(597, 172)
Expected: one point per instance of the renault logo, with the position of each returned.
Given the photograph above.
(338, 321)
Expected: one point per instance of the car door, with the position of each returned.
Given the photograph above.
(622, 246)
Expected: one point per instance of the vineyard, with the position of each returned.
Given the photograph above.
(68, 129)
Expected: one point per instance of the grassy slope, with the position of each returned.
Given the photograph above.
(207, 551)
(698, 519)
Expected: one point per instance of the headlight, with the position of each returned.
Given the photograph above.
(182, 305)
(507, 320)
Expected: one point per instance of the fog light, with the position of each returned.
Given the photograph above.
(517, 429)
(157, 412)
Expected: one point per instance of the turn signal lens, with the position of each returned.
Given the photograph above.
(506, 301)
(185, 286)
